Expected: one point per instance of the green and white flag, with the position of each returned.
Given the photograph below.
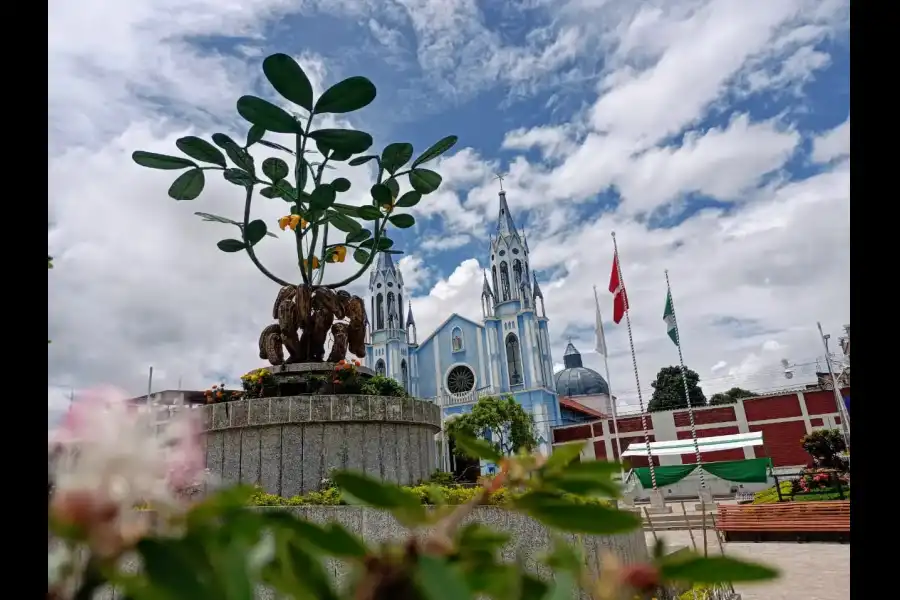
(669, 318)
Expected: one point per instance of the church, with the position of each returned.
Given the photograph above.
(508, 352)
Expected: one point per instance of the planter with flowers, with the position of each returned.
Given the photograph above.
(218, 393)
(259, 383)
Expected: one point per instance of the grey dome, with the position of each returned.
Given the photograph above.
(576, 379)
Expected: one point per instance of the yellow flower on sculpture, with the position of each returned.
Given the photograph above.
(339, 254)
(315, 263)
(292, 221)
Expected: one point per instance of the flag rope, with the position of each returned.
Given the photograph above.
(687, 395)
(612, 399)
(637, 378)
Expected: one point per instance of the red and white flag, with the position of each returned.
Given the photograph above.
(620, 299)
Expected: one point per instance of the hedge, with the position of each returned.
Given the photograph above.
(428, 494)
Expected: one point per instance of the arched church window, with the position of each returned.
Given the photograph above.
(460, 379)
(504, 281)
(379, 311)
(379, 367)
(494, 274)
(456, 340)
(400, 309)
(390, 310)
(513, 359)
(517, 272)
(404, 375)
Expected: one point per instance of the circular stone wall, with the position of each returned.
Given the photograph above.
(288, 445)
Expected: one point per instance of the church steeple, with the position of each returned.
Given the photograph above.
(509, 259)
(386, 289)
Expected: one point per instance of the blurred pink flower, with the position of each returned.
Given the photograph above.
(119, 454)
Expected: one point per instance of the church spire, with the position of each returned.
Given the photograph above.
(505, 225)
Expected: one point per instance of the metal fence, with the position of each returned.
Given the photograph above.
(821, 484)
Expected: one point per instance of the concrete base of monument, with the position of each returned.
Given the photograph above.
(288, 445)
(308, 378)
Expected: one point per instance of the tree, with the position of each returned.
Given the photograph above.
(668, 390)
(499, 420)
(731, 396)
(825, 445)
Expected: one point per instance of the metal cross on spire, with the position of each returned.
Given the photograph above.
(499, 178)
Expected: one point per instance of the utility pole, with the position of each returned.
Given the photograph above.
(836, 388)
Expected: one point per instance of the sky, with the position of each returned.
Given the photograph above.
(712, 136)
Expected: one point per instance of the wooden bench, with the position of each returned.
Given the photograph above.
(800, 521)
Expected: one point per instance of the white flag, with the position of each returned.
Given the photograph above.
(600, 345)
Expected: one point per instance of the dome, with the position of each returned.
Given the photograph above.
(576, 379)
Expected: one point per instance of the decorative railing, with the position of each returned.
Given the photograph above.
(471, 397)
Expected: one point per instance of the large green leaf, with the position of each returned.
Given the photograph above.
(714, 569)
(344, 223)
(275, 169)
(152, 160)
(275, 146)
(436, 150)
(393, 186)
(346, 96)
(568, 516)
(289, 80)
(358, 236)
(341, 184)
(346, 209)
(369, 213)
(332, 538)
(381, 194)
(361, 256)
(255, 134)
(383, 244)
(231, 245)
(562, 456)
(265, 114)
(256, 230)
(188, 185)
(343, 140)
(322, 197)
(562, 588)
(201, 150)
(424, 181)
(402, 221)
(439, 581)
(240, 157)
(238, 177)
(361, 160)
(477, 448)
(377, 494)
(395, 156)
(410, 198)
(171, 569)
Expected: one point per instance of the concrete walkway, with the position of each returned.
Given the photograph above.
(808, 571)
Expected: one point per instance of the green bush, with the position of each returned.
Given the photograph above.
(770, 495)
(379, 385)
(428, 494)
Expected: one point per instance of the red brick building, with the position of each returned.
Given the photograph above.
(784, 418)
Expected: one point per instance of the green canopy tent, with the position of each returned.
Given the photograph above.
(752, 470)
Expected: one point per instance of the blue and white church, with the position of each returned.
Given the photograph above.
(508, 352)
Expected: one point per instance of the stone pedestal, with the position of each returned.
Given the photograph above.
(288, 445)
(658, 504)
(308, 378)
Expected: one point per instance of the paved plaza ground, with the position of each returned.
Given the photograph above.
(809, 571)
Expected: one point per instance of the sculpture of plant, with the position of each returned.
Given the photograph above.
(314, 212)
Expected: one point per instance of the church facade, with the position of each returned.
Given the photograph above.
(507, 352)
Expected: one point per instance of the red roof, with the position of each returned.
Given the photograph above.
(579, 407)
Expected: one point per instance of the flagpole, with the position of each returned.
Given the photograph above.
(637, 378)
(687, 395)
(835, 385)
(612, 399)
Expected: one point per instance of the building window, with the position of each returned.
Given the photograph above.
(404, 375)
(517, 272)
(513, 359)
(379, 367)
(379, 311)
(504, 281)
(391, 311)
(460, 379)
(456, 340)
(494, 277)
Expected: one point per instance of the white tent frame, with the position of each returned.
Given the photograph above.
(686, 446)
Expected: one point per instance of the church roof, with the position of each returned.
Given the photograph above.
(444, 323)
(576, 379)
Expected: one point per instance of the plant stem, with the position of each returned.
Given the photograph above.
(300, 166)
(250, 252)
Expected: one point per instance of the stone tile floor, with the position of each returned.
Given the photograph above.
(809, 571)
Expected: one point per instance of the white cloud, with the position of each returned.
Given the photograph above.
(832, 144)
(138, 280)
